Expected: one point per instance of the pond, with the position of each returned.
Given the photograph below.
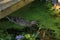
(34, 11)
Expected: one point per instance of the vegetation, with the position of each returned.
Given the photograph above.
(41, 11)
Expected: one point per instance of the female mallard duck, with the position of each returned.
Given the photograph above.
(22, 21)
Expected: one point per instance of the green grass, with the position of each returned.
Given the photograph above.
(35, 11)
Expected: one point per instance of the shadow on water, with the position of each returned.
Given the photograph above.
(29, 30)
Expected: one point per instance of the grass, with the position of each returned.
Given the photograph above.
(35, 11)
